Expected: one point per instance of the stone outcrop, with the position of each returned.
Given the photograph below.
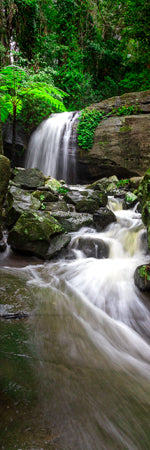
(121, 142)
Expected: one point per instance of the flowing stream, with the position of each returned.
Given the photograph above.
(75, 374)
(52, 147)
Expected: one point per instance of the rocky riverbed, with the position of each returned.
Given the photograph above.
(40, 212)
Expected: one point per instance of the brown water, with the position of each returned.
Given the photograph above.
(75, 374)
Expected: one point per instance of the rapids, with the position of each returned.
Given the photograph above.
(76, 373)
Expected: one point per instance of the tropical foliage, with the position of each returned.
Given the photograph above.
(90, 50)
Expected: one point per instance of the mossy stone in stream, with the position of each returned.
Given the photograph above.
(142, 277)
(19, 201)
(102, 218)
(73, 221)
(146, 219)
(32, 233)
(130, 200)
(92, 202)
(144, 188)
(45, 196)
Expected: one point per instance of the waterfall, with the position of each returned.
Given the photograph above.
(52, 147)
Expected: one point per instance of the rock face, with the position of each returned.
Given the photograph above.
(121, 143)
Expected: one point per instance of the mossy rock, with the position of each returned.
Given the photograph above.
(94, 200)
(144, 189)
(146, 220)
(29, 178)
(73, 221)
(102, 218)
(130, 200)
(60, 205)
(32, 233)
(91, 247)
(72, 197)
(19, 201)
(134, 182)
(45, 196)
(142, 277)
(87, 205)
(52, 184)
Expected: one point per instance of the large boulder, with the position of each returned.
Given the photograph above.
(92, 202)
(72, 221)
(130, 200)
(91, 247)
(29, 178)
(33, 232)
(102, 218)
(121, 143)
(19, 201)
(142, 277)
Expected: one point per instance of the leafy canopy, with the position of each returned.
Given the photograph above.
(23, 90)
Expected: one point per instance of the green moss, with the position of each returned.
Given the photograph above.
(123, 182)
(125, 129)
(144, 272)
(88, 122)
(33, 227)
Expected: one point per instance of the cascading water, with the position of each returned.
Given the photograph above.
(83, 356)
(52, 147)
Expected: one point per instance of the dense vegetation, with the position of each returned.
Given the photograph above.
(90, 50)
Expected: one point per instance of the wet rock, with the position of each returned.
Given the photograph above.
(121, 143)
(29, 178)
(142, 277)
(57, 244)
(134, 182)
(19, 201)
(92, 247)
(103, 218)
(73, 221)
(130, 200)
(60, 205)
(144, 189)
(72, 197)
(92, 202)
(32, 233)
(146, 219)
(52, 184)
(45, 196)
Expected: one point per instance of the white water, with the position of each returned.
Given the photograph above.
(90, 337)
(52, 147)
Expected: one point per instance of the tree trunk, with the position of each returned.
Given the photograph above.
(14, 135)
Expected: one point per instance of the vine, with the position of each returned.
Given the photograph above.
(88, 122)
